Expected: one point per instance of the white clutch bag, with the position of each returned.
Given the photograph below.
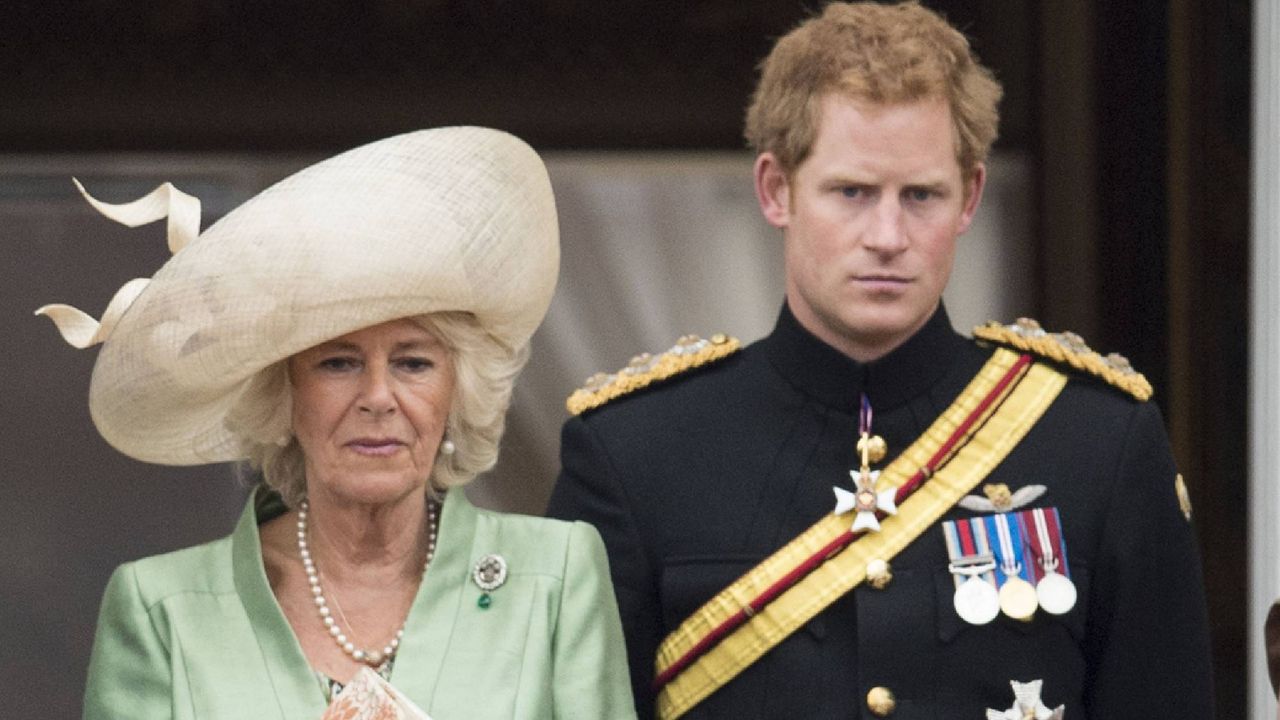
(369, 697)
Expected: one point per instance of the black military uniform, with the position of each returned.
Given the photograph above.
(693, 481)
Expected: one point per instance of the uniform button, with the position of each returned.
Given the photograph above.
(879, 574)
(880, 701)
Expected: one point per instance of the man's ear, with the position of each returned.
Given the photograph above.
(773, 190)
(972, 196)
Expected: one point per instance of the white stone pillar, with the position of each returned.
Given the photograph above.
(1264, 412)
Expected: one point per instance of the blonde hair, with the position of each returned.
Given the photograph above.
(484, 375)
(877, 53)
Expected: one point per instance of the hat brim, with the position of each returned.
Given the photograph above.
(451, 219)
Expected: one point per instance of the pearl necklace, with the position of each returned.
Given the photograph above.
(372, 658)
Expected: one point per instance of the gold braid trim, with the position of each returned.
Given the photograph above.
(1070, 349)
(689, 352)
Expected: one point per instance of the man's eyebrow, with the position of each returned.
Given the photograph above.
(928, 185)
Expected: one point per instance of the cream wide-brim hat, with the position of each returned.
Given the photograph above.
(450, 219)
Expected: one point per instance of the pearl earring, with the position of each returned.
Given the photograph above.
(448, 448)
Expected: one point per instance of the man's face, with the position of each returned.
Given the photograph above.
(869, 221)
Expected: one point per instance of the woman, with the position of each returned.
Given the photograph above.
(354, 333)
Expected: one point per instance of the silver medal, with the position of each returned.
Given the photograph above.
(1056, 592)
(976, 601)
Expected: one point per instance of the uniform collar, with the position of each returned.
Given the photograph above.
(833, 379)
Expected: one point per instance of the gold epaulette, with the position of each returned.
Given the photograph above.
(689, 352)
(1067, 348)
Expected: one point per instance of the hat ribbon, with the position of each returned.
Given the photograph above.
(79, 328)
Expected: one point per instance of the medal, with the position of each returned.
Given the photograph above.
(864, 499)
(1018, 597)
(1056, 592)
(1027, 704)
(977, 603)
(972, 566)
(976, 600)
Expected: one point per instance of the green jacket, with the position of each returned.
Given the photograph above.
(197, 633)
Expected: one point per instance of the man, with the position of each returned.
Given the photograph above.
(864, 512)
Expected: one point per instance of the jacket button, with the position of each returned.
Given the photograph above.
(880, 701)
(879, 574)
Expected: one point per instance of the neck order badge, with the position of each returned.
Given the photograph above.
(864, 498)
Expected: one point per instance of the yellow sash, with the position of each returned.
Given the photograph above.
(1002, 427)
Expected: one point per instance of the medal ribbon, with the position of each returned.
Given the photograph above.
(1046, 541)
(1009, 560)
(966, 542)
(864, 442)
(864, 417)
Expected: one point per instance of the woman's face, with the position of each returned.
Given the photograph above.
(369, 410)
